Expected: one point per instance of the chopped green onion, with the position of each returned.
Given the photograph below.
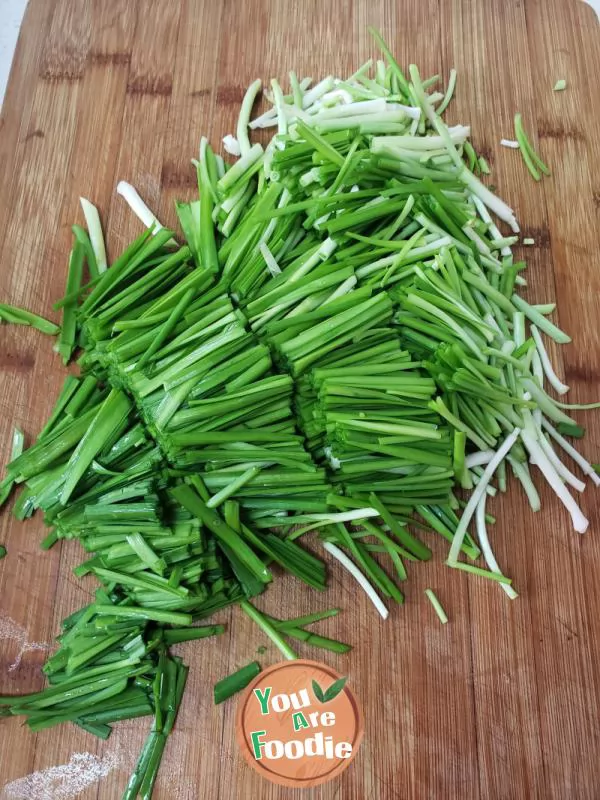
(269, 629)
(531, 158)
(478, 493)
(482, 573)
(92, 220)
(19, 316)
(308, 619)
(244, 118)
(177, 635)
(137, 205)
(437, 606)
(68, 332)
(358, 576)
(234, 683)
(339, 344)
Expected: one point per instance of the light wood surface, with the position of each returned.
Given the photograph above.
(503, 702)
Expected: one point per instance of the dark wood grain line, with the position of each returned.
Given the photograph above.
(160, 85)
(108, 59)
(230, 95)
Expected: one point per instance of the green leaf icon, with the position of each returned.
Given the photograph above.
(335, 688)
(318, 692)
(330, 693)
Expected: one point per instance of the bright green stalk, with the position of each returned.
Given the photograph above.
(531, 158)
(90, 257)
(397, 72)
(482, 573)
(234, 683)
(208, 243)
(66, 340)
(244, 117)
(92, 220)
(110, 416)
(191, 500)
(268, 628)
(20, 316)
(437, 606)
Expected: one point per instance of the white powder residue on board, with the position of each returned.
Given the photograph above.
(183, 791)
(179, 790)
(63, 782)
(9, 629)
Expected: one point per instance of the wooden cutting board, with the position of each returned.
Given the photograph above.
(504, 701)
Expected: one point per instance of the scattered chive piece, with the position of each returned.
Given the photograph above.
(482, 573)
(571, 429)
(531, 158)
(308, 619)
(323, 642)
(20, 316)
(234, 683)
(2, 551)
(437, 606)
(528, 240)
(269, 629)
(68, 331)
(560, 85)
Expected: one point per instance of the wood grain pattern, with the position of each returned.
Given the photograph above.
(504, 701)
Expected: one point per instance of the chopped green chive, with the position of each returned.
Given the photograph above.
(92, 220)
(533, 162)
(269, 629)
(20, 316)
(437, 606)
(339, 344)
(234, 683)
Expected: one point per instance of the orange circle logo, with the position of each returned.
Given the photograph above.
(299, 724)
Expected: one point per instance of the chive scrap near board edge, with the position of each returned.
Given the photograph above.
(338, 344)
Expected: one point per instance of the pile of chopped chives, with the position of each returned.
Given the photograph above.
(339, 345)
